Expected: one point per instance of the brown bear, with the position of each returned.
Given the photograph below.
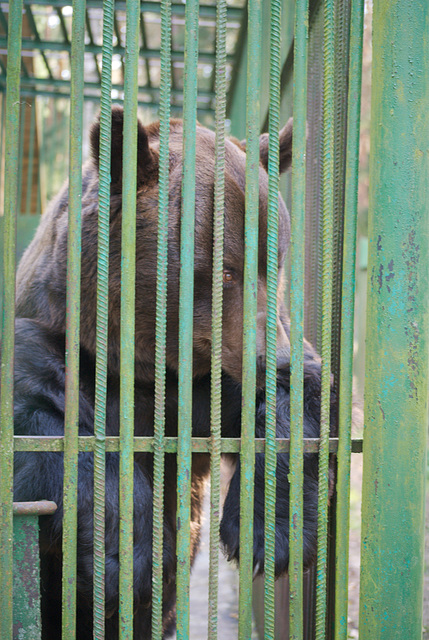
(40, 368)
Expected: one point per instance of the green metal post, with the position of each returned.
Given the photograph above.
(71, 420)
(397, 326)
(8, 321)
(347, 321)
(128, 283)
(27, 624)
(251, 225)
(186, 315)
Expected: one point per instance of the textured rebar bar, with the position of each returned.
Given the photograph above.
(250, 287)
(217, 297)
(271, 328)
(8, 320)
(186, 307)
(102, 322)
(347, 320)
(71, 420)
(128, 280)
(327, 226)
(161, 323)
(297, 319)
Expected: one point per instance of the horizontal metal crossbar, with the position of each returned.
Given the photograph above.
(199, 445)
(233, 13)
(28, 44)
(94, 86)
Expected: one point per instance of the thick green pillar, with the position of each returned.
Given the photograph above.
(396, 379)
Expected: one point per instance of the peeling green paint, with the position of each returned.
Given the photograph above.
(397, 326)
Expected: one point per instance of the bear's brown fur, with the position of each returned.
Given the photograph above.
(41, 278)
(40, 364)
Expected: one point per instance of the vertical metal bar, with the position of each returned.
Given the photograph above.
(250, 287)
(71, 424)
(28, 203)
(21, 156)
(8, 319)
(42, 158)
(347, 320)
(161, 321)
(271, 330)
(102, 321)
(217, 297)
(184, 455)
(2, 137)
(128, 278)
(396, 373)
(328, 204)
(297, 319)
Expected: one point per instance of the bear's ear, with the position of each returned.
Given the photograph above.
(285, 147)
(147, 162)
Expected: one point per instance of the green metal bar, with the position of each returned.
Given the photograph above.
(327, 273)
(251, 224)
(102, 322)
(21, 155)
(217, 298)
(396, 372)
(203, 96)
(2, 136)
(41, 165)
(146, 443)
(234, 13)
(71, 419)
(8, 317)
(28, 44)
(58, 82)
(297, 320)
(161, 324)
(128, 279)
(30, 166)
(271, 329)
(184, 457)
(347, 320)
(34, 93)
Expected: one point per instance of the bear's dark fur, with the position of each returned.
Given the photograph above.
(40, 372)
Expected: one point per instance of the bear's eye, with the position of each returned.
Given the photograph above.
(228, 277)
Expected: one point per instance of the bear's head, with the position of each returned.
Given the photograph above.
(42, 272)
